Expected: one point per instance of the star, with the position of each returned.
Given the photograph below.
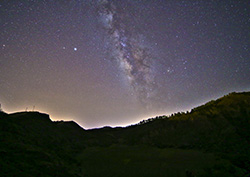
(115, 54)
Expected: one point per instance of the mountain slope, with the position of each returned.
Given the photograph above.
(32, 145)
(221, 127)
(220, 123)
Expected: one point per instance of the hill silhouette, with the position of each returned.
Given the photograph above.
(210, 140)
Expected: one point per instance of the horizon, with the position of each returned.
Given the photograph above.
(124, 125)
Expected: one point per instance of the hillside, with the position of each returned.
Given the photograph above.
(216, 126)
(211, 140)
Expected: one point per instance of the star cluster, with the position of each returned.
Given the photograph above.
(115, 62)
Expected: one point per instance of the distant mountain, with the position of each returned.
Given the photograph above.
(211, 140)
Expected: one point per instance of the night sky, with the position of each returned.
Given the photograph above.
(114, 63)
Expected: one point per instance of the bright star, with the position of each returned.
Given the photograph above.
(75, 49)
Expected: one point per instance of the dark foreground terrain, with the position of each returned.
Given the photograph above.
(212, 140)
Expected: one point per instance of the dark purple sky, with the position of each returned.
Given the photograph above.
(115, 63)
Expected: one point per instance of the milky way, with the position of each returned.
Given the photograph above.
(128, 49)
(116, 62)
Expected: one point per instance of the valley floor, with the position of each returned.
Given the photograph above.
(136, 161)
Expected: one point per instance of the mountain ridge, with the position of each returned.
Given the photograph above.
(220, 127)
